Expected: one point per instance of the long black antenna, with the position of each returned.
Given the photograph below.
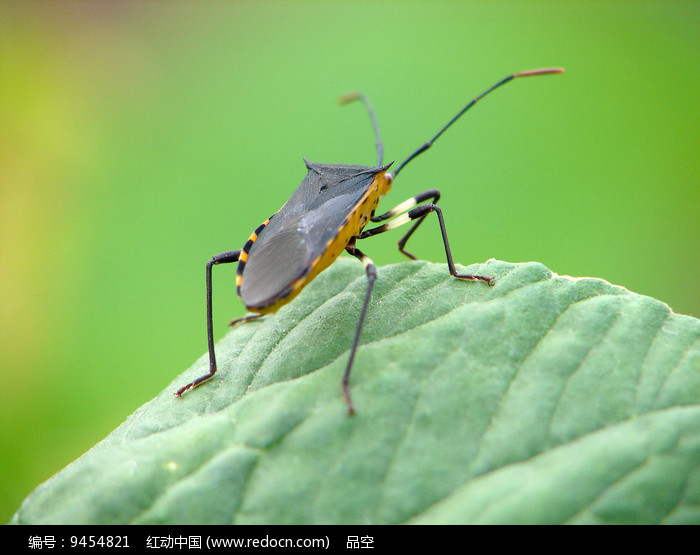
(427, 145)
(360, 96)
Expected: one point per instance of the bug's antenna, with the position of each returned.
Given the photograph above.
(360, 96)
(427, 145)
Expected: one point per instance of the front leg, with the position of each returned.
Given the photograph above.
(407, 205)
(418, 214)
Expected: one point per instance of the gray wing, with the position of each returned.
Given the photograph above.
(298, 233)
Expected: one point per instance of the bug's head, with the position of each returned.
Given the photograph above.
(387, 178)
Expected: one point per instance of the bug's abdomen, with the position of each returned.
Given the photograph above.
(279, 270)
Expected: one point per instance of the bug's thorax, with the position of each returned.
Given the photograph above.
(364, 210)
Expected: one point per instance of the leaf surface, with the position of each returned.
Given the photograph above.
(544, 399)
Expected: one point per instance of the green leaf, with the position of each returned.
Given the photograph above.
(544, 399)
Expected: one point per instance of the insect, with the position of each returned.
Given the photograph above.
(325, 216)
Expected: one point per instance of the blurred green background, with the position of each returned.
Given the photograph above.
(138, 139)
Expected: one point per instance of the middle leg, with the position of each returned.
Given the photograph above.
(371, 271)
(433, 194)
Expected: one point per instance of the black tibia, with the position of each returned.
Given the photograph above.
(223, 258)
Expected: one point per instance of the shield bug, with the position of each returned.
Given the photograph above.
(325, 216)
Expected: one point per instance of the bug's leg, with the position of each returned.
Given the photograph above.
(371, 271)
(419, 213)
(246, 318)
(223, 258)
(407, 205)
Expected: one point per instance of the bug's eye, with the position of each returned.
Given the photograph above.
(323, 188)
